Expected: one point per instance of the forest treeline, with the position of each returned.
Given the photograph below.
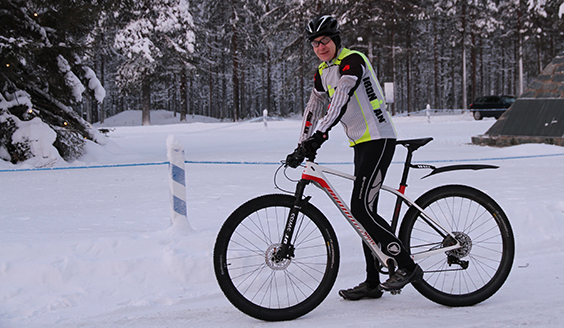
(231, 59)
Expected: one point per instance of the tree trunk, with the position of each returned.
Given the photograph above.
(453, 68)
(102, 112)
(183, 96)
(146, 100)
(408, 74)
(268, 83)
(474, 63)
(302, 77)
(243, 106)
(520, 49)
(436, 68)
(392, 67)
(235, 80)
(191, 101)
(464, 77)
(210, 93)
(520, 68)
(539, 54)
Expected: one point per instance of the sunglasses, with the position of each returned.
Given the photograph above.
(323, 41)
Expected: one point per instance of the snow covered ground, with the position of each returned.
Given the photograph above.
(90, 243)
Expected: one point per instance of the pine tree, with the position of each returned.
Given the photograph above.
(41, 46)
(157, 36)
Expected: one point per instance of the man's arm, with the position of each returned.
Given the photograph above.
(351, 69)
(314, 110)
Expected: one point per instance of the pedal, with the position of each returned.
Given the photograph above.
(395, 291)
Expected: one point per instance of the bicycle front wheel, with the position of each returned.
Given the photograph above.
(474, 272)
(250, 276)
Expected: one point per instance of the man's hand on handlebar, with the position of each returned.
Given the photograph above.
(308, 148)
(296, 158)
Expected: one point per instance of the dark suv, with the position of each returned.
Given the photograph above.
(491, 106)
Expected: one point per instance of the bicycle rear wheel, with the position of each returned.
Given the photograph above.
(252, 279)
(474, 272)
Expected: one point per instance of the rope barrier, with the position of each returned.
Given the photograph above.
(265, 163)
(101, 166)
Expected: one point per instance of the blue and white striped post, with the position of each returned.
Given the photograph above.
(177, 182)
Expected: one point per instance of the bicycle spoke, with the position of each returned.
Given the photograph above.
(259, 275)
(476, 269)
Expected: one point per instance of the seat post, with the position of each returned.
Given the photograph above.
(402, 186)
(411, 145)
(406, 167)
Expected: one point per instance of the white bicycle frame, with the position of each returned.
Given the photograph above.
(315, 173)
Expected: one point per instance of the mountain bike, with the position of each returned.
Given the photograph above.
(276, 257)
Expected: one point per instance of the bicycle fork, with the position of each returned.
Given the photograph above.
(286, 249)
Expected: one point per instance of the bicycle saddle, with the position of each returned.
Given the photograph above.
(414, 144)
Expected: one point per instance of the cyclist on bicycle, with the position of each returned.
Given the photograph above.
(346, 80)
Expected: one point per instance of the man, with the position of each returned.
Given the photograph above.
(347, 80)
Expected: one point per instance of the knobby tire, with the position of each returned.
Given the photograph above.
(488, 245)
(257, 284)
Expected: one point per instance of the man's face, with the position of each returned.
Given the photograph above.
(324, 48)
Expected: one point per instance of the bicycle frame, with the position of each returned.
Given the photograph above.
(315, 173)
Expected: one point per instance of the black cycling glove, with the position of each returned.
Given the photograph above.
(296, 158)
(312, 144)
(307, 148)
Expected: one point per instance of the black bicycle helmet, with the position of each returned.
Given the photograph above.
(324, 25)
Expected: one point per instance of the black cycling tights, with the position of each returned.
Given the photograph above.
(371, 162)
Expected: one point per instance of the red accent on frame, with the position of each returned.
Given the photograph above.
(325, 185)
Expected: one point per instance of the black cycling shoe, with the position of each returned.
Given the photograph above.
(361, 291)
(401, 278)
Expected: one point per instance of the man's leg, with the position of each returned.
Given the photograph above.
(364, 162)
(370, 288)
(372, 160)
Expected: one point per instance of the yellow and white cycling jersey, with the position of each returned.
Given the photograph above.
(356, 100)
